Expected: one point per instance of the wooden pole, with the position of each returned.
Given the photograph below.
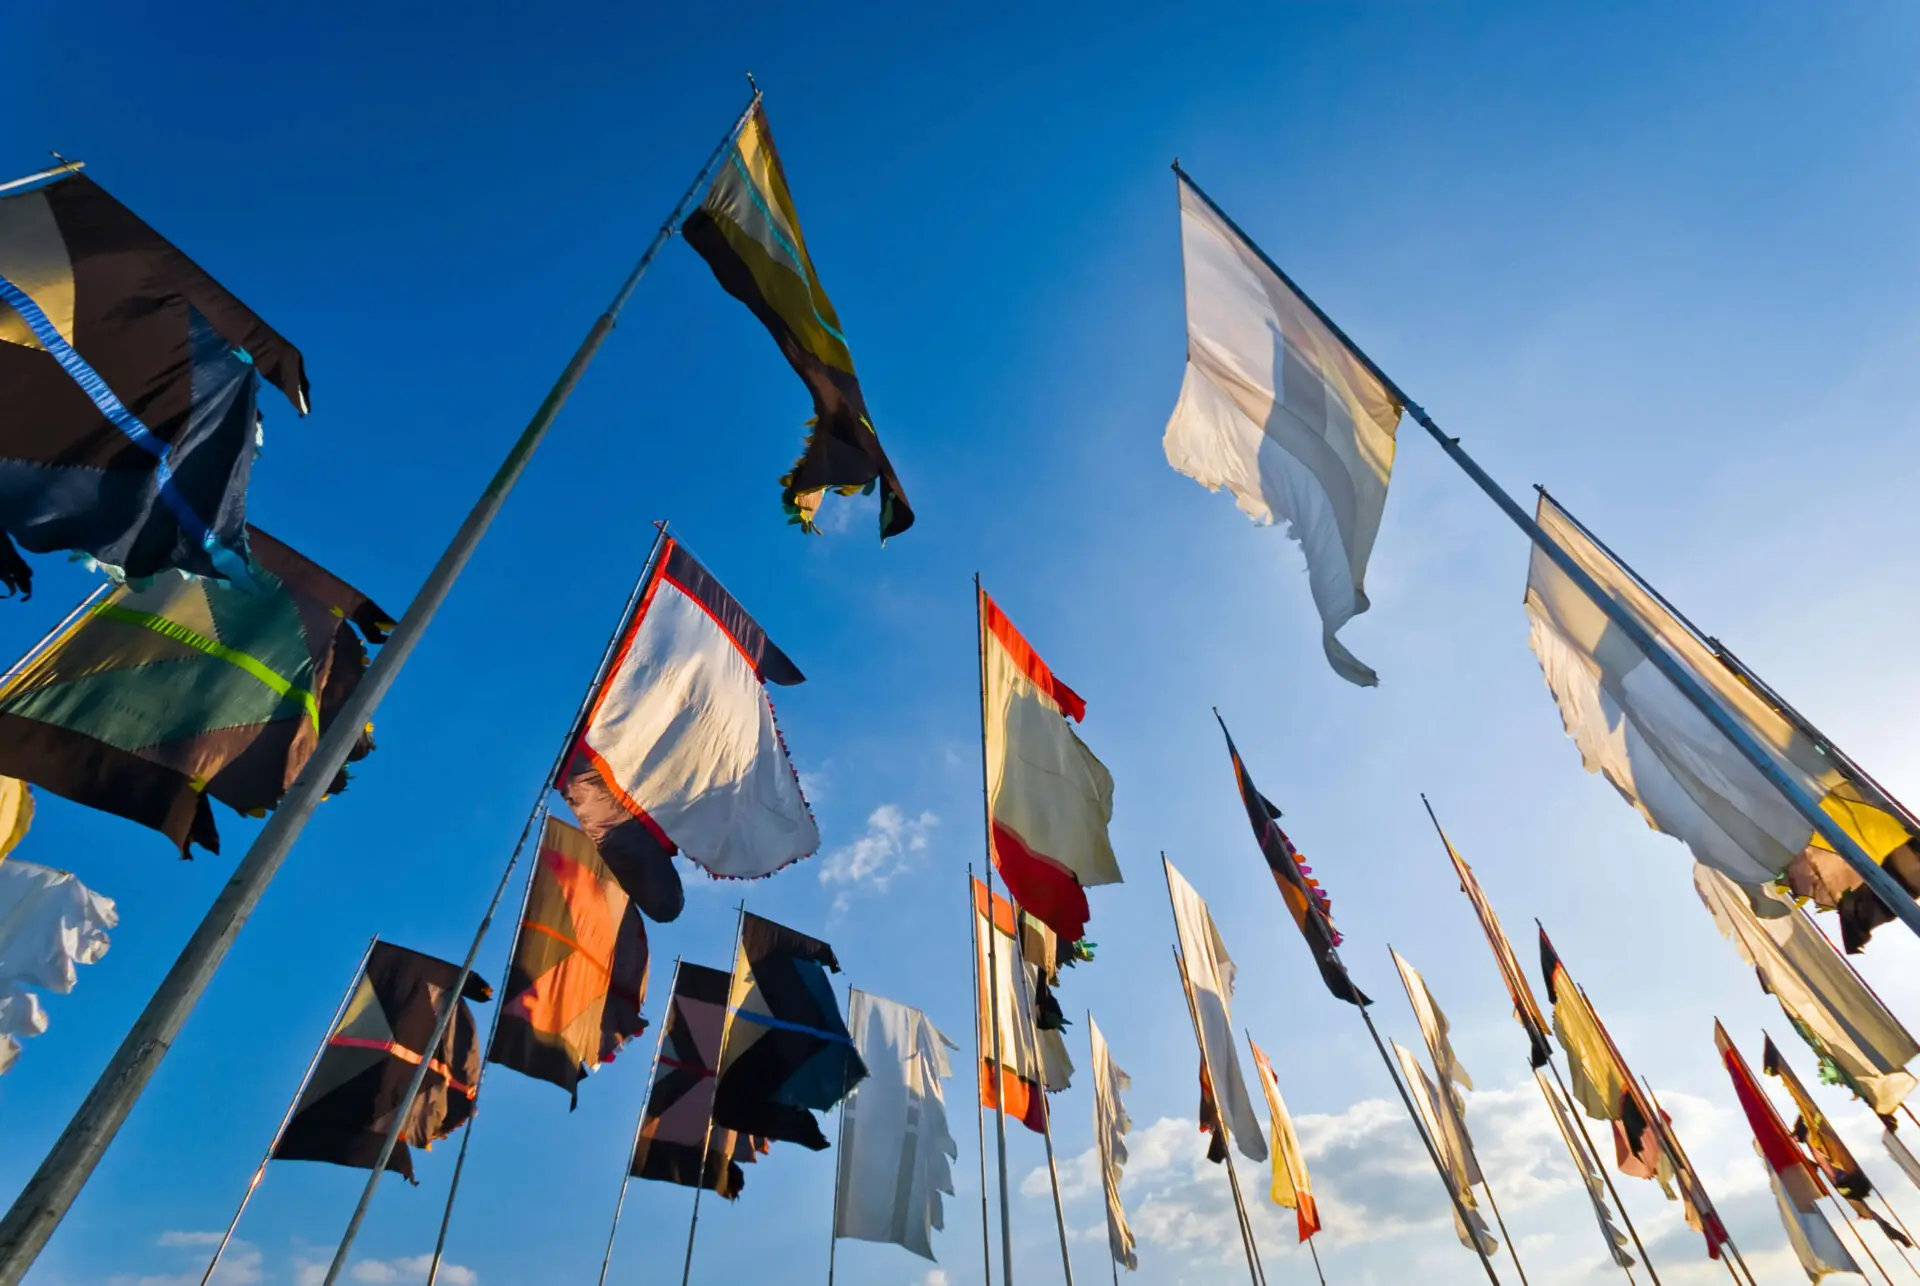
(640, 1122)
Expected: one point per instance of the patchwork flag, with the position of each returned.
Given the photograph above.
(1209, 973)
(1033, 1057)
(1292, 1188)
(896, 1155)
(578, 979)
(1048, 798)
(1307, 902)
(786, 1054)
(356, 1088)
(129, 378)
(680, 1103)
(680, 752)
(1278, 409)
(167, 694)
(749, 233)
(49, 923)
(1111, 1125)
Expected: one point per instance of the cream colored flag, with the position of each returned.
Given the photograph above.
(1280, 412)
(1449, 1135)
(1210, 974)
(1588, 1165)
(1434, 1028)
(1110, 1126)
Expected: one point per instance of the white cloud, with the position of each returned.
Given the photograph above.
(242, 1265)
(411, 1268)
(892, 845)
(934, 1277)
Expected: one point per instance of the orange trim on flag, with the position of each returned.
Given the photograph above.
(405, 1055)
(1022, 1097)
(1028, 661)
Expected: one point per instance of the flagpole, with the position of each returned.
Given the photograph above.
(1504, 1234)
(1105, 1152)
(1255, 1270)
(993, 960)
(51, 1192)
(1581, 1160)
(839, 1160)
(293, 1105)
(980, 1061)
(1671, 1142)
(559, 763)
(1599, 1163)
(65, 167)
(33, 653)
(640, 1123)
(706, 1142)
(1897, 899)
(1053, 1170)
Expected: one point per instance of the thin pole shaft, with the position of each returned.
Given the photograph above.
(1897, 899)
(519, 924)
(1600, 1164)
(1053, 1170)
(1504, 1234)
(840, 1159)
(293, 1105)
(1219, 1113)
(1893, 1216)
(706, 1141)
(979, 1062)
(1246, 1220)
(1859, 1240)
(1579, 1155)
(1311, 1250)
(449, 1006)
(52, 636)
(1678, 1154)
(993, 961)
(640, 1121)
(51, 1191)
(67, 167)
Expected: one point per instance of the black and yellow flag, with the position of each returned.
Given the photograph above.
(749, 234)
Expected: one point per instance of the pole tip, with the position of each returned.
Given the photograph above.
(753, 84)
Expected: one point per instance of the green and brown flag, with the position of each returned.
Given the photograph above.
(169, 693)
(749, 233)
(578, 978)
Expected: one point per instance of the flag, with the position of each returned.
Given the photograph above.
(1588, 1166)
(130, 379)
(1435, 1030)
(1635, 727)
(1209, 972)
(1032, 1057)
(1292, 1189)
(16, 813)
(1795, 1188)
(749, 233)
(49, 923)
(1307, 902)
(1049, 800)
(1110, 1127)
(1819, 991)
(1448, 1134)
(1279, 410)
(167, 694)
(1526, 1009)
(1602, 1083)
(1824, 1146)
(679, 1111)
(1899, 1153)
(1698, 1208)
(896, 1155)
(578, 978)
(786, 1053)
(349, 1103)
(680, 752)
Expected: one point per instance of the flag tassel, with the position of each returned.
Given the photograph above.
(979, 1060)
(706, 1143)
(993, 957)
(293, 1105)
(639, 1124)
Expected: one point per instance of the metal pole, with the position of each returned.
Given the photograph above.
(559, 763)
(293, 1105)
(1897, 899)
(1053, 1170)
(51, 1192)
(706, 1142)
(640, 1123)
(1671, 1142)
(1504, 1234)
(65, 167)
(1317, 1272)
(993, 960)
(839, 1160)
(979, 1062)
(33, 653)
(1580, 1151)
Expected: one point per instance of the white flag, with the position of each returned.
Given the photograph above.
(1210, 978)
(1110, 1126)
(896, 1156)
(1589, 1167)
(1280, 412)
(49, 923)
(1449, 1135)
(1434, 1028)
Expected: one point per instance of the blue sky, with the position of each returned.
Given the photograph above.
(1659, 259)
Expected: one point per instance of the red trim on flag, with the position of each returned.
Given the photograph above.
(628, 802)
(619, 659)
(701, 603)
(1042, 887)
(1028, 662)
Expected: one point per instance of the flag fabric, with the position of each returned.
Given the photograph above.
(16, 813)
(1681, 773)
(1795, 1188)
(1111, 1124)
(749, 233)
(1307, 902)
(1449, 1136)
(1209, 977)
(1900, 1154)
(1048, 799)
(1588, 1167)
(896, 1154)
(1816, 1132)
(1032, 1058)
(1819, 991)
(1292, 1188)
(349, 1104)
(680, 752)
(680, 1102)
(49, 923)
(1435, 1030)
(1526, 1009)
(1279, 410)
(166, 695)
(578, 978)
(131, 381)
(1602, 1083)
(787, 1053)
